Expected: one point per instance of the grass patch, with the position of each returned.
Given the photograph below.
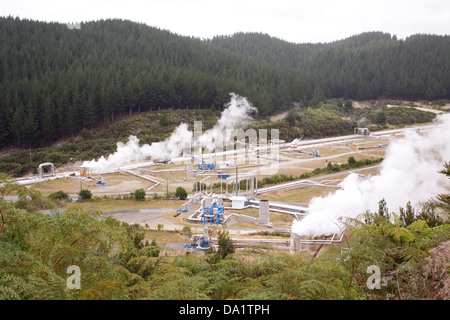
(300, 196)
(162, 237)
(108, 205)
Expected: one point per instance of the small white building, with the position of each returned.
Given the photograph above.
(238, 202)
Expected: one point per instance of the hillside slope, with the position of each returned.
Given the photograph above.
(55, 81)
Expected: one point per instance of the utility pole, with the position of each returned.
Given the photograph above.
(237, 192)
(167, 189)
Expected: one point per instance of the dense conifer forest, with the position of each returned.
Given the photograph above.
(55, 81)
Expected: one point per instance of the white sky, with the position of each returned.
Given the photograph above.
(295, 21)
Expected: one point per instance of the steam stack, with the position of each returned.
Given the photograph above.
(296, 245)
(208, 202)
(263, 212)
(205, 233)
(189, 172)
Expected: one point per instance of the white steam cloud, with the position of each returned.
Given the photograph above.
(409, 172)
(237, 113)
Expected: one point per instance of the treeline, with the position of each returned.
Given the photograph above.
(364, 67)
(55, 81)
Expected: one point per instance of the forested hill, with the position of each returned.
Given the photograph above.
(55, 81)
(365, 66)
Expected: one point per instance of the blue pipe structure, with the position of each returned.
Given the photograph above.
(223, 175)
(209, 216)
(199, 242)
(206, 166)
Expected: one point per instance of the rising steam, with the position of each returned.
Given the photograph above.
(410, 172)
(237, 113)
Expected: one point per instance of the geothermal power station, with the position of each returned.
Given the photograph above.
(223, 182)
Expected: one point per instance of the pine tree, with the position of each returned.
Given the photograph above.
(30, 129)
(90, 112)
(407, 216)
(16, 125)
(48, 121)
(4, 130)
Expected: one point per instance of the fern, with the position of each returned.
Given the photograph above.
(143, 266)
(400, 235)
(418, 227)
(37, 248)
(412, 254)
(7, 293)
(313, 289)
(431, 280)
(430, 233)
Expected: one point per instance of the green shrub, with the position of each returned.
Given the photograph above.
(163, 120)
(157, 196)
(59, 195)
(181, 193)
(66, 147)
(85, 133)
(305, 175)
(317, 171)
(200, 185)
(187, 231)
(351, 161)
(85, 194)
(139, 194)
(226, 246)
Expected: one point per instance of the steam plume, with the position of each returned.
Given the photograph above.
(237, 113)
(410, 172)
